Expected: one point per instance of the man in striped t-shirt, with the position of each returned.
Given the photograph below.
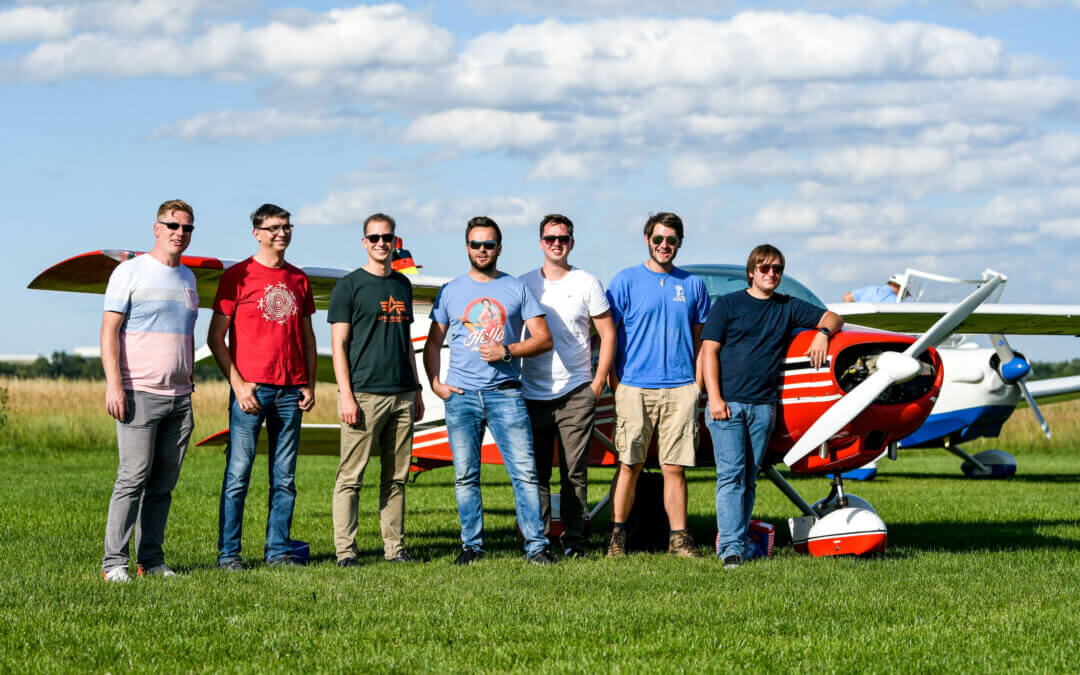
(147, 350)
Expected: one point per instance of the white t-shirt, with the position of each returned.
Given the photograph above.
(570, 302)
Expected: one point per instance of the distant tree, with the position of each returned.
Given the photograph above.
(1043, 370)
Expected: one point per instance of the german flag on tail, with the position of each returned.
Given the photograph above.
(402, 261)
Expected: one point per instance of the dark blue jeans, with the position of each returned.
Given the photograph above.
(278, 407)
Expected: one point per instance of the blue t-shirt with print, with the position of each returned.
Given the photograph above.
(476, 313)
(654, 314)
(754, 335)
(874, 294)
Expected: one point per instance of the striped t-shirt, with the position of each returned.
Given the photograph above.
(160, 305)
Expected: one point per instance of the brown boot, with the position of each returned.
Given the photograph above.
(617, 544)
(680, 544)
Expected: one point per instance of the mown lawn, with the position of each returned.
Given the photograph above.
(979, 576)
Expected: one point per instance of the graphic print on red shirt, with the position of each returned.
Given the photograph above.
(265, 306)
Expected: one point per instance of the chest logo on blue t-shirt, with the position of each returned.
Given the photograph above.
(485, 319)
(680, 294)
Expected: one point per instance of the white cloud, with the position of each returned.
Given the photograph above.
(482, 129)
(25, 24)
(258, 125)
(1061, 227)
(781, 217)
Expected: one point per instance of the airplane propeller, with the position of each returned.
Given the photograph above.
(892, 368)
(1012, 369)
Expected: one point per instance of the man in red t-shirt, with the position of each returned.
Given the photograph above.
(265, 306)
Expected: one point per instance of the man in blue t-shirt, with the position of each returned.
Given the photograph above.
(658, 311)
(742, 350)
(484, 311)
(889, 292)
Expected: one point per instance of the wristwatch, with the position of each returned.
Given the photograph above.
(824, 331)
(507, 356)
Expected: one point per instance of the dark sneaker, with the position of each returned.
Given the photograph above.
(542, 558)
(573, 552)
(468, 556)
(733, 562)
(348, 562)
(402, 557)
(285, 561)
(681, 545)
(617, 544)
(234, 565)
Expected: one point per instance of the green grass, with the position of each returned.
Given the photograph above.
(979, 576)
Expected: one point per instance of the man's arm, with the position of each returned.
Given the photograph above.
(418, 408)
(339, 345)
(432, 360)
(115, 398)
(710, 367)
(849, 297)
(311, 364)
(819, 347)
(215, 340)
(538, 342)
(695, 330)
(605, 328)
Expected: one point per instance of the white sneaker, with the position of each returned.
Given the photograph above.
(161, 570)
(117, 575)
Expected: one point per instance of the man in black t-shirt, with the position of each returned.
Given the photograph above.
(370, 318)
(743, 346)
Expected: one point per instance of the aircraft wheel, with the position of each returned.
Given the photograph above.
(999, 464)
(847, 531)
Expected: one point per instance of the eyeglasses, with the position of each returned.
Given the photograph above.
(550, 239)
(287, 228)
(488, 245)
(188, 229)
(384, 238)
(777, 269)
(671, 241)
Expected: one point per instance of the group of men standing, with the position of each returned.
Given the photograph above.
(520, 349)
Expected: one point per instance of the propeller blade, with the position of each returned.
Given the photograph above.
(892, 368)
(1034, 409)
(948, 323)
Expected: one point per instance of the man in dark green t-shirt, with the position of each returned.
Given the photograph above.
(370, 319)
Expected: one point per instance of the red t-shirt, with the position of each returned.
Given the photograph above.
(265, 306)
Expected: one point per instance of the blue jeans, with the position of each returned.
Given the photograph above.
(739, 444)
(278, 407)
(504, 412)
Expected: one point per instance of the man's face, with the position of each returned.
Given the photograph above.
(274, 233)
(767, 275)
(664, 251)
(484, 257)
(556, 242)
(380, 250)
(175, 241)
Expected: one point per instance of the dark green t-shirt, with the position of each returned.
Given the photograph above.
(379, 309)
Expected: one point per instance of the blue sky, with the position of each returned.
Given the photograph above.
(861, 138)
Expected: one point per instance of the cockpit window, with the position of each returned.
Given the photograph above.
(724, 279)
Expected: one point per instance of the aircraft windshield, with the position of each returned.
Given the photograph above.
(724, 279)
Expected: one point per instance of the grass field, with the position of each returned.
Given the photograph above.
(979, 576)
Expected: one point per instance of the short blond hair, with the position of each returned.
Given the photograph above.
(175, 205)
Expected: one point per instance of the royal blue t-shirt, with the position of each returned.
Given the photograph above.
(755, 334)
(654, 314)
(874, 294)
(483, 312)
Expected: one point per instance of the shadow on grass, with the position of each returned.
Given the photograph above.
(967, 536)
(1050, 478)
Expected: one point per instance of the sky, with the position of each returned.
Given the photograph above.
(862, 138)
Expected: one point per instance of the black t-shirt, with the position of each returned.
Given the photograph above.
(380, 311)
(754, 334)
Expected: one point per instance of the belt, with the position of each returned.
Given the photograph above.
(509, 384)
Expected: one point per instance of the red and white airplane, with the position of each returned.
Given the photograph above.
(876, 388)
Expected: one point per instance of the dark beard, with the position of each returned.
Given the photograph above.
(486, 269)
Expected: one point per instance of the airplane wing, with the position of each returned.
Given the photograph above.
(89, 273)
(913, 317)
(1053, 390)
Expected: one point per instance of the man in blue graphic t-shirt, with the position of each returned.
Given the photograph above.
(484, 311)
(742, 351)
(658, 311)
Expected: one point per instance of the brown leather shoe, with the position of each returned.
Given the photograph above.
(681, 544)
(617, 544)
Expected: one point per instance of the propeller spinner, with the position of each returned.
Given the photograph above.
(1012, 369)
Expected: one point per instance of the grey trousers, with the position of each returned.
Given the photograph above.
(152, 442)
(564, 425)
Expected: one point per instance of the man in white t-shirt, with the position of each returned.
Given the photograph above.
(560, 387)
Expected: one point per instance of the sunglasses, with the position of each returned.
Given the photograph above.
(671, 241)
(188, 229)
(488, 245)
(777, 269)
(276, 228)
(550, 239)
(384, 238)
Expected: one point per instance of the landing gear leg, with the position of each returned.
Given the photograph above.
(772, 474)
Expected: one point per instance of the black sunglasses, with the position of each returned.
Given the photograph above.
(188, 229)
(488, 245)
(276, 228)
(671, 241)
(385, 238)
(550, 239)
(777, 268)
